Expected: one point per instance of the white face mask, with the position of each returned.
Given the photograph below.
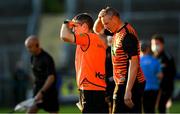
(109, 40)
(155, 48)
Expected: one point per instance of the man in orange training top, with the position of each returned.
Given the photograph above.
(125, 52)
(89, 62)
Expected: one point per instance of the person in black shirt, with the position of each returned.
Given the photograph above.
(109, 74)
(168, 70)
(45, 91)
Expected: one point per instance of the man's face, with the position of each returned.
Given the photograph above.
(32, 48)
(106, 21)
(78, 29)
(157, 46)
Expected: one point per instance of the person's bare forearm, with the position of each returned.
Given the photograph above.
(98, 26)
(133, 68)
(50, 80)
(160, 76)
(104, 39)
(66, 34)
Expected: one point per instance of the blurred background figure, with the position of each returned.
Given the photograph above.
(43, 67)
(168, 70)
(152, 72)
(109, 74)
(21, 81)
(70, 86)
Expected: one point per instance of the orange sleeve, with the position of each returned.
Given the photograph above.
(82, 39)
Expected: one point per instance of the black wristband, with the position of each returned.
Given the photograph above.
(66, 21)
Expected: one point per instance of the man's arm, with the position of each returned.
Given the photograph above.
(160, 76)
(159, 71)
(99, 29)
(133, 68)
(104, 39)
(130, 46)
(50, 69)
(98, 26)
(66, 34)
(50, 80)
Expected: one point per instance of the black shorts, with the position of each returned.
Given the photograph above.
(149, 101)
(137, 95)
(50, 101)
(93, 101)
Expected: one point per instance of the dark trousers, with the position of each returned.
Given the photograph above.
(164, 97)
(137, 94)
(149, 101)
(50, 100)
(109, 103)
(93, 101)
(109, 95)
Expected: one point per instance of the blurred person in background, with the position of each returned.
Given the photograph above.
(168, 70)
(45, 91)
(89, 62)
(128, 76)
(152, 72)
(70, 86)
(21, 80)
(109, 74)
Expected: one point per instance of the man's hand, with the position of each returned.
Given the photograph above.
(101, 13)
(133, 68)
(98, 26)
(38, 97)
(70, 24)
(128, 99)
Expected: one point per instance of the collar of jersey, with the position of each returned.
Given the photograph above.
(122, 27)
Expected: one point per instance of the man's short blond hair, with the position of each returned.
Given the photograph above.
(111, 11)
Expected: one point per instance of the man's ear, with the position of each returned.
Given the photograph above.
(85, 26)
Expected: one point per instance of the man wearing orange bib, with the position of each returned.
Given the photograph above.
(89, 62)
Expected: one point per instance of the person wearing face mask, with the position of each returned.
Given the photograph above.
(152, 71)
(168, 70)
